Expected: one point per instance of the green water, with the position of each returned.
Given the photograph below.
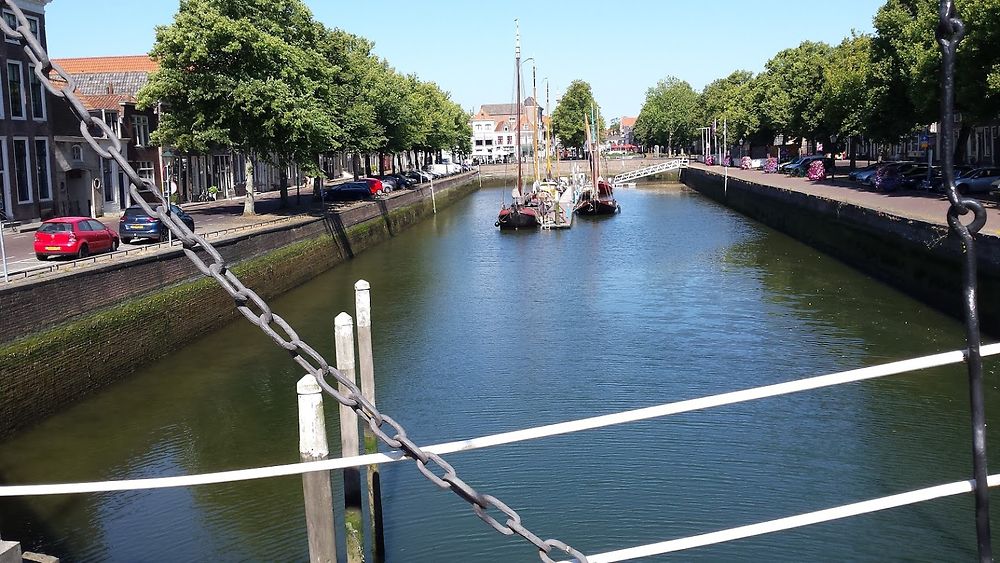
(478, 332)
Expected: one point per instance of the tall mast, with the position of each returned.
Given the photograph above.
(534, 120)
(548, 135)
(517, 89)
(597, 139)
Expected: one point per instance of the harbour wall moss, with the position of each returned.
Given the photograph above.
(45, 370)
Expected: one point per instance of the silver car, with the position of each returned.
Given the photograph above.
(980, 180)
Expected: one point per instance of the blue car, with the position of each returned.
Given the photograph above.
(136, 223)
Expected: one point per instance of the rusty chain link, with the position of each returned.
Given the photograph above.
(256, 310)
(949, 34)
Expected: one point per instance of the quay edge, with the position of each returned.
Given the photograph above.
(43, 369)
(919, 258)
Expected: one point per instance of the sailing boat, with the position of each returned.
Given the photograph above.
(518, 215)
(598, 198)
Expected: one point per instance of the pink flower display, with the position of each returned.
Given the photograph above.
(817, 171)
(745, 163)
(771, 166)
(709, 160)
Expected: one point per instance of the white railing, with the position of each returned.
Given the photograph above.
(828, 380)
(651, 170)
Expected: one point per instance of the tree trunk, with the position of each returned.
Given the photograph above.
(963, 140)
(381, 164)
(284, 183)
(355, 164)
(248, 200)
(852, 148)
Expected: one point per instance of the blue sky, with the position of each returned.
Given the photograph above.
(467, 47)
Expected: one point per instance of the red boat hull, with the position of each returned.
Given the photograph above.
(597, 207)
(513, 218)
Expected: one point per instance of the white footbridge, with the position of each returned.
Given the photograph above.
(627, 177)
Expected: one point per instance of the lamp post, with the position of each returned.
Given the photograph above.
(833, 152)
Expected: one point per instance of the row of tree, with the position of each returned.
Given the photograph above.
(263, 77)
(881, 86)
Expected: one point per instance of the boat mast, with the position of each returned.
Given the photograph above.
(534, 120)
(548, 135)
(597, 140)
(517, 90)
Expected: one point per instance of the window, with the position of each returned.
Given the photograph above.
(15, 89)
(111, 118)
(95, 226)
(37, 94)
(42, 157)
(77, 153)
(145, 169)
(479, 142)
(83, 226)
(510, 140)
(12, 22)
(489, 142)
(499, 140)
(140, 127)
(22, 180)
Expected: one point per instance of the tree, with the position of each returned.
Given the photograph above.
(243, 74)
(670, 116)
(906, 46)
(731, 100)
(791, 91)
(568, 117)
(615, 126)
(849, 94)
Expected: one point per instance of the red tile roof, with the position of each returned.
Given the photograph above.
(125, 63)
(628, 121)
(105, 101)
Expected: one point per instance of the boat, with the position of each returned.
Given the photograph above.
(597, 198)
(523, 212)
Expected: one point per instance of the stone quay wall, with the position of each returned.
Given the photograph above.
(919, 258)
(64, 337)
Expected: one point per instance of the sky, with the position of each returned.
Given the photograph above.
(467, 47)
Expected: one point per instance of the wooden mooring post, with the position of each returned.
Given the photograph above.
(316, 486)
(343, 330)
(363, 304)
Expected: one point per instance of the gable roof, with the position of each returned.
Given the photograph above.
(506, 109)
(628, 121)
(124, 63)
(105, 101)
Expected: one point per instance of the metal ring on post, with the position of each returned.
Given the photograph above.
(978, 221)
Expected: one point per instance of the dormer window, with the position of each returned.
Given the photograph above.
(77, 153)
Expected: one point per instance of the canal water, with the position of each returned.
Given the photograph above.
(479, 332)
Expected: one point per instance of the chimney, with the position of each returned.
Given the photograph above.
(111, 88)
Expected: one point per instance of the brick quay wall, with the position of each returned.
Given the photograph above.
(69, 335)
(918, 257)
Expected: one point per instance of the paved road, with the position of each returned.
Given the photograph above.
(208, 217)
(929, 207)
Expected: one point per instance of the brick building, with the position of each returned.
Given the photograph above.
(26, 183)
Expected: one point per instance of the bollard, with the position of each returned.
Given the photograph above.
(343, 329)
(10, 552)
(363, 303)
(316, 485)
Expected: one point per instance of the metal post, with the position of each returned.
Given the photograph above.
(343, 327)
(434, 199)
(316, 485)
(363, 304)
(3, 255)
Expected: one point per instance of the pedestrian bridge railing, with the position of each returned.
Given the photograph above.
(578, 425)
(674, 164)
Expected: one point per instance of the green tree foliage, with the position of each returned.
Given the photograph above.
(670, 116)
(243, 74)
(732, 100)
(568, 117)
(848, 95)
(791, 87)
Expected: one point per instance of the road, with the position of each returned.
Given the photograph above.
(208, 217)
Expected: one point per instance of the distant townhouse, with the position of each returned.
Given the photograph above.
(494, 127)
(628, 130)
(27, 193)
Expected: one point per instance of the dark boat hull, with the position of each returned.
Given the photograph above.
(513, 218)
(597, 207)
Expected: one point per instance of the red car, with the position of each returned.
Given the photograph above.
(375, 185)
(73, 236)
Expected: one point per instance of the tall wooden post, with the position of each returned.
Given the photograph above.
(316, 485)
(343, 329)
(363, 303)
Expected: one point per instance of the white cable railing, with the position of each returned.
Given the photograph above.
(839, 378)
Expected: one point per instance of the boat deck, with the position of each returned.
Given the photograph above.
(560, 214)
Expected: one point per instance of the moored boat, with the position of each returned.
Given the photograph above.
(520, 214)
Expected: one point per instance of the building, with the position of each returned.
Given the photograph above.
(628, 130)
(494, 127)
(27, 191)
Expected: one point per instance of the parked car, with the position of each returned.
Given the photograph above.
(911, 179)
(802, 167)
(853, 176)
(376, 186)
(389, 183)
(936, 181)
(136, 223)
(417, 176)
(785, 165)
(868, 178)
(892, 177)
(402, 181)
(348, 191)
(979, 180)
(73, 236)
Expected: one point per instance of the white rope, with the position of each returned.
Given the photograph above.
(862, 374)
(809, 518)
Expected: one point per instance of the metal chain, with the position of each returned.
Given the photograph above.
(256, 310)
(950, 32)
